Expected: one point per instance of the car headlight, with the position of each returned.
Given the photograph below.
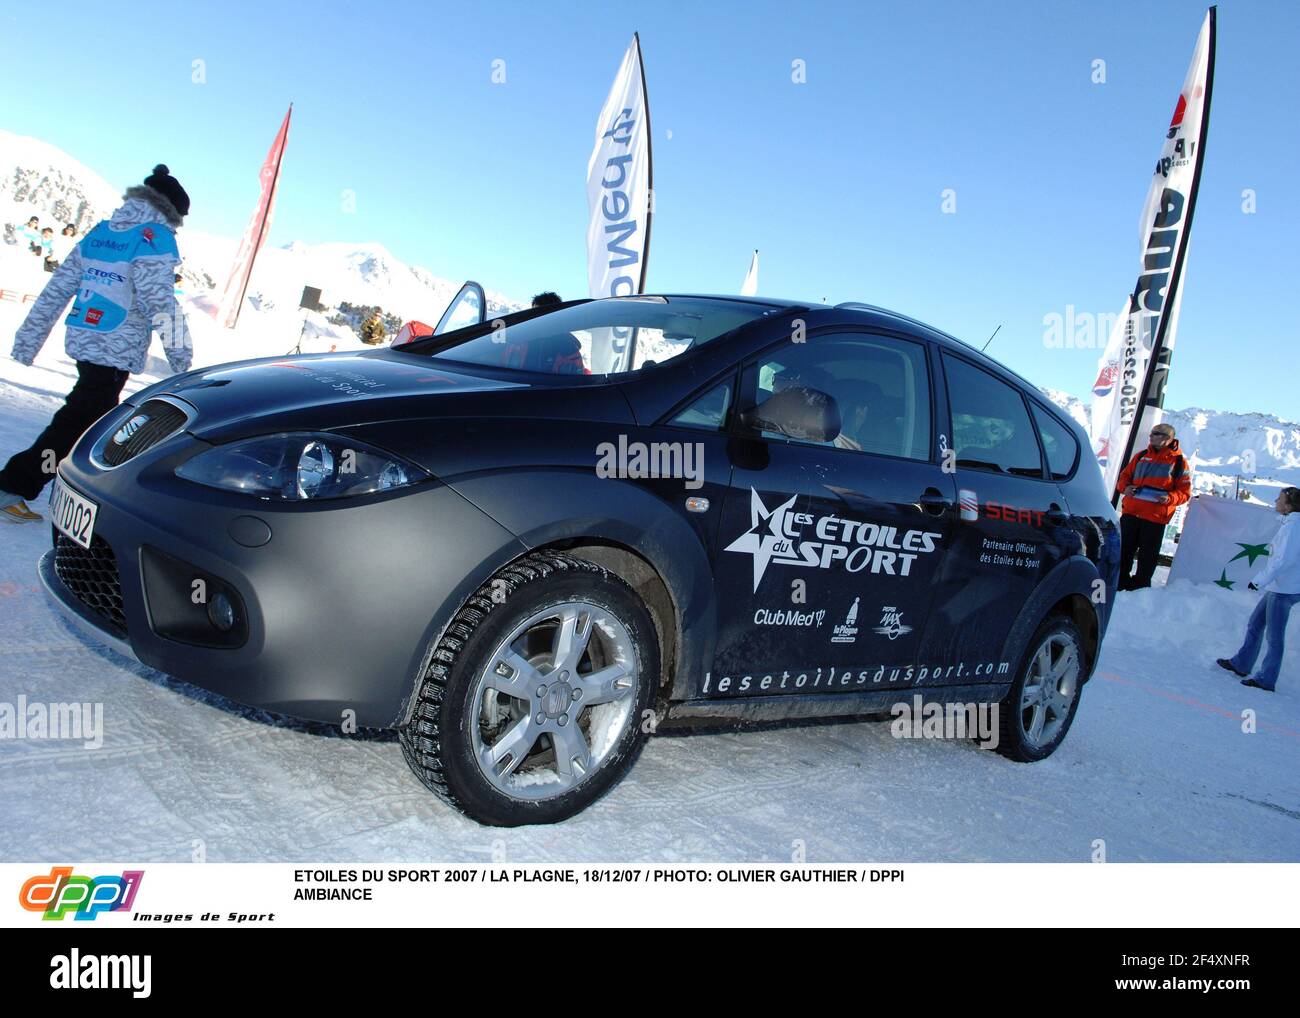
(300, 466)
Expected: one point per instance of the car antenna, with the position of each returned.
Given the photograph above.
(990, 339)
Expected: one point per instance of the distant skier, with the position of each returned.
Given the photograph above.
(1273, 611)
(1154, 483)
(121, 274)
(372, 329)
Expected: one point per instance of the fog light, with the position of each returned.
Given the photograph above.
(221, 613)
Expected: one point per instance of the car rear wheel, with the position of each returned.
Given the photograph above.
(532, 705)
(1037, 713)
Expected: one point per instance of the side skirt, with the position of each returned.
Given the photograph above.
(821, 705)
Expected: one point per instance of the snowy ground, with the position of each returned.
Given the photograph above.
(1157, 765)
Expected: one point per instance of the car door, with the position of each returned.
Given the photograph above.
(1012, 525)
(827, 549)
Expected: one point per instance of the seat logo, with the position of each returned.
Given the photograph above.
(128, 429)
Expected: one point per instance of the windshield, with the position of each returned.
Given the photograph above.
(606, 337)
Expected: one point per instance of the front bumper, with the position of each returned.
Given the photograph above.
(342, 602)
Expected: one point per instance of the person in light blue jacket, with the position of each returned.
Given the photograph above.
(121, 275)
(1280, 582)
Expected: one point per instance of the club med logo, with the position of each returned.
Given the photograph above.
(847, 631)
(61, 891)
(891, 623)
(128, 429)
(785, 537)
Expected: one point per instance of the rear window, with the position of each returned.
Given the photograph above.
(1060, 445)
(605, 337)
(991, 429)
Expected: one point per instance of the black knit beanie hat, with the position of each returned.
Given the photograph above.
(169, 187)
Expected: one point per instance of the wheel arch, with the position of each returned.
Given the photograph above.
(1066, 590)
(654, 549)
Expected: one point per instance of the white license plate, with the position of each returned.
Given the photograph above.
(73, 514)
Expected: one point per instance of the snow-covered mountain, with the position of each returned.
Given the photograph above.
(39, 179)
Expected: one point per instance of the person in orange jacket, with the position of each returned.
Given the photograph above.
(1154, 483)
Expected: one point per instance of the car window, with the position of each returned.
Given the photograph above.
(881, 386)
(991, 429)
(1059, 443)
(709, 411)
(602, 337)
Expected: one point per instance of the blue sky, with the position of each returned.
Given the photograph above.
(837, 181)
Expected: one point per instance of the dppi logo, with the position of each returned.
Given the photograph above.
(60, 892)
(778, 536)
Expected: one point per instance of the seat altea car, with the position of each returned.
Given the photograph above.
(524, 543)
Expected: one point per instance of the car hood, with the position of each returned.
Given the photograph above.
(320, 391)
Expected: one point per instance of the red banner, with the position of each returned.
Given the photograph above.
(258, 227)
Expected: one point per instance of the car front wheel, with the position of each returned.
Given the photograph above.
(533, 704)
(1037, 713)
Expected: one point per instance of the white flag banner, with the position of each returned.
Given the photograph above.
(750, 286)
(619, 193)
(1224, 541)
(1131, 375)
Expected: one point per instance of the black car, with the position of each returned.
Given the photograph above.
(526, 542)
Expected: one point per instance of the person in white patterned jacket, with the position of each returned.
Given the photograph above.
(122, 275)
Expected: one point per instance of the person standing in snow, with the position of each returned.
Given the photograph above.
(372, 329)
(30, 234)
(1280, 582)
(62, 246)
(47, 248)
(121, 275)
(1154, 483)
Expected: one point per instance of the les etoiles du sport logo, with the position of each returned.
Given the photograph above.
(59, 892)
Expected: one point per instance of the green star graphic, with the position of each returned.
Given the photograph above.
(1250, 552)
(1223, 580)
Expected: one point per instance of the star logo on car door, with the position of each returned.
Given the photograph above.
(765, 539)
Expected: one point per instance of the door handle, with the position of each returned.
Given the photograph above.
(933, 502)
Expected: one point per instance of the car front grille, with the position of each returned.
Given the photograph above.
(160, 420)
(93, 577)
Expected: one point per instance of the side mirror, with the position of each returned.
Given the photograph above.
(797, 412)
